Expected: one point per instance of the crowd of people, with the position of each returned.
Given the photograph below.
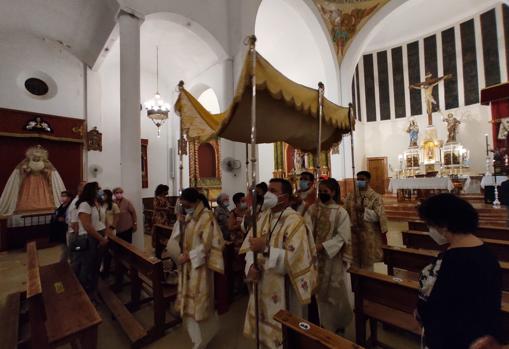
(306, 240)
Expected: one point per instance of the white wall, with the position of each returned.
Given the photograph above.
(23, 56)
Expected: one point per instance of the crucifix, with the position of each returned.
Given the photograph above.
(427, 86)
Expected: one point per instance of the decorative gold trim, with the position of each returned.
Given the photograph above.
(39, 135)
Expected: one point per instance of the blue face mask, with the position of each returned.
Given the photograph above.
(362, 184)
(304, 184)
(100, 194)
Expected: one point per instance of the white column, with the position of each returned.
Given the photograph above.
(130, 128)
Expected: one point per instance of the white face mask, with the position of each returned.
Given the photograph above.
(437, 236)
(189, 211)
(270, 200)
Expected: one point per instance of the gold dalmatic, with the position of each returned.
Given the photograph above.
(289, 240)
(196, 285)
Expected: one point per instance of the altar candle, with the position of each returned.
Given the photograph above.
(487, 146)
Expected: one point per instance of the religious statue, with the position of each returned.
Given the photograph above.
(33, 186)
(503, 131)
(94, 140)
(413, 131)
(452, 127)
(299, 162)
(427, 86)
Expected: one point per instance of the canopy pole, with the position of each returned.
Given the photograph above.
(252, 52)
(182, 147)
(321, 89)
(357, 216)
(247, 167)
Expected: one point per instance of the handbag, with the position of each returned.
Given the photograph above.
(79, 244)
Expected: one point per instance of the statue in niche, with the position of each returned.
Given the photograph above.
(33, 186)
(452, 127)
(427, 86)
(299, 161)
(413, 131)
(94, 140)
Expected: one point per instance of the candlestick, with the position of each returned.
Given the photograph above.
(487, 145)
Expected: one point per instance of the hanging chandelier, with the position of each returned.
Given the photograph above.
(157, 108)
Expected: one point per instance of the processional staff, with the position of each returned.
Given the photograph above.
(252, 52)
(356, 216)
(321, 89)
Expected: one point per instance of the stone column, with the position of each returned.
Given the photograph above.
(130, 127)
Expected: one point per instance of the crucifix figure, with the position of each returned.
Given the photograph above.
(427, 86)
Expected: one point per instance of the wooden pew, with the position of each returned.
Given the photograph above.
(10, 321)
(484, 231)
(385, 299)
(161, 231)
(298, 333)
(146, 275)
(389, 300)
(419, 239)
(59, 311)
(414, 260)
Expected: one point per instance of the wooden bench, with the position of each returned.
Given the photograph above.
(383, 298)
(10, 321)
(419, 239)
(484, 231)
(161, 231)
(146, 276)
(390, 300)
(59, 310)
(298, 333)
(413, 260)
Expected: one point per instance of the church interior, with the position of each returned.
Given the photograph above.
(146, 98)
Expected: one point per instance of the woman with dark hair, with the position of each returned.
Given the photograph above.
(201, 254)
(460, 292)
(88, 245)
(330, 225)
(110, 214)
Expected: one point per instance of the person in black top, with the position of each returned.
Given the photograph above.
(58, 225)
(460, 292)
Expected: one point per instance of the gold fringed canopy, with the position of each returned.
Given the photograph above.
(286, 111)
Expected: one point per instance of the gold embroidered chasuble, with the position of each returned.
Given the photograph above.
(288, 262)
(367, 244)
(196, 284)
(330, 226)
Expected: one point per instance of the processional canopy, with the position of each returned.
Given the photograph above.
(286, 111)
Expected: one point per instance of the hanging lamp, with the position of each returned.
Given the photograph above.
(157, 108)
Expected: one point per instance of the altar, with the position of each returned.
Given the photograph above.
(419, 188)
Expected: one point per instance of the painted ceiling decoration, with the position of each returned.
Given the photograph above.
(345, 18)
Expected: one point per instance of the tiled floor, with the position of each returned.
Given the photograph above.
(13, 274)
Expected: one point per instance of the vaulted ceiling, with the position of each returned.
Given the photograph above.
(82, 27)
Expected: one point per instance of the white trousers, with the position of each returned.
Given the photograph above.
(201, 332)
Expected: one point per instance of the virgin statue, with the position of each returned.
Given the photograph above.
(33, 186)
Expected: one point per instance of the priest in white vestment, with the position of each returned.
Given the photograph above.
(201, 254)
(331, 228)
(286, 274)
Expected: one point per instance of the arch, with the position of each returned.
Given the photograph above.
(194, 27)
(311, 18)
(208, 99)
(359, 43)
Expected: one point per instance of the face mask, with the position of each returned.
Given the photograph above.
(362, 184)
(435, 235)
(100, 194)
(189, 211)
(243, 205)
(270, 200)
(304, 185)
(324, 197)
(226, 203)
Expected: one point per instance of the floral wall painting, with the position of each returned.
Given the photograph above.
(345, 18)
